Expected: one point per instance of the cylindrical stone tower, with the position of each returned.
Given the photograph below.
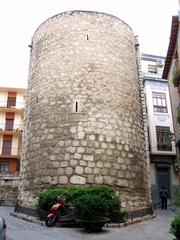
(83, 122)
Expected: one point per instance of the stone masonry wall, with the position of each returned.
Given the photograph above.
(9, 190)
(83, 114)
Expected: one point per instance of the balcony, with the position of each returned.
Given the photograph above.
(18, 107)
(9, 176)
(11, 129)
(10, 152)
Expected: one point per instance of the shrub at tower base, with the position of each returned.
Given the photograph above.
(91, 202)
(175, 227)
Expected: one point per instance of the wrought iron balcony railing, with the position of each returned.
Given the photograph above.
(164, 147)
(10, 151)
(16, 105)
(11, 127)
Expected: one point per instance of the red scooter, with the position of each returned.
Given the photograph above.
(60, 216)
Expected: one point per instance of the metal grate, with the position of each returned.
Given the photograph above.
(41, 214)
(140, 213)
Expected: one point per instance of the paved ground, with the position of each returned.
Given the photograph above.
(155, 229)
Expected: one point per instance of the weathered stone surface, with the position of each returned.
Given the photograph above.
(88, 157)
(77, 180)
(79, 170)
(83, 119)
(9, 189)
(63, 179)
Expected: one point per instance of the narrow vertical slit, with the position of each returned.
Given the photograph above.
(76, 106)
(87, 37)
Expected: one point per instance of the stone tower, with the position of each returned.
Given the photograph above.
(83, 121)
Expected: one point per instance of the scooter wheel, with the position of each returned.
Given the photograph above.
(50, 222)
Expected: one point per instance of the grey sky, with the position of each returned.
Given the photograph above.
(150, 20)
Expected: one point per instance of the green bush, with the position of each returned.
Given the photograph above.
(176, 197)
(97, 195)
(91, 207)
(98, 202)
(47, 198)
(176, 78)
(178, 117)
(175, 226)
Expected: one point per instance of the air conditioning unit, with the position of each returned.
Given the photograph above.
(159, 62)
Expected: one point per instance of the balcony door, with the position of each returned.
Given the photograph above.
(7, 145)
(11, 101)
(9, 124)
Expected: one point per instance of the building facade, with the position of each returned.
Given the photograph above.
(83, 122)
(172, 69)
(163, 165)
(12, 103)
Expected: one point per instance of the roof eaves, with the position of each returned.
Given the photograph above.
(171, 47)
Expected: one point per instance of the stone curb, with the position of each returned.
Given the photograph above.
(129, 222)
(27, 218)
(107, 225)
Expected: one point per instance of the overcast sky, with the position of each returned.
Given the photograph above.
(150, 20)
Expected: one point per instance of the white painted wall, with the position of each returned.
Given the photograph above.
(152, 174)
(174, 177)
(144, 66)
(154, 83)
(156, 118)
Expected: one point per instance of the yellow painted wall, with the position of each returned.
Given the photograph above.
(1, 143)
(20, 100)
(2, 120)
(18, 121)
(3, 98)
(15, 145)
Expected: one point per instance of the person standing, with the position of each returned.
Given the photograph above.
(164, 195)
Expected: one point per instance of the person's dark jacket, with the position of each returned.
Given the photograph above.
(163, 193)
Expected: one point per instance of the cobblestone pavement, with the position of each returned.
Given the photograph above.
(155, 229)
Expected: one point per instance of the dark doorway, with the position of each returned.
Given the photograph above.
(163, 178)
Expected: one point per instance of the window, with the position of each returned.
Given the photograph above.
(4, 167)
(163, 138)
(152, 68)
(76, 106)
(159, 102)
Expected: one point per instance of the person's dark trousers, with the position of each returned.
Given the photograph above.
(164, 203)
